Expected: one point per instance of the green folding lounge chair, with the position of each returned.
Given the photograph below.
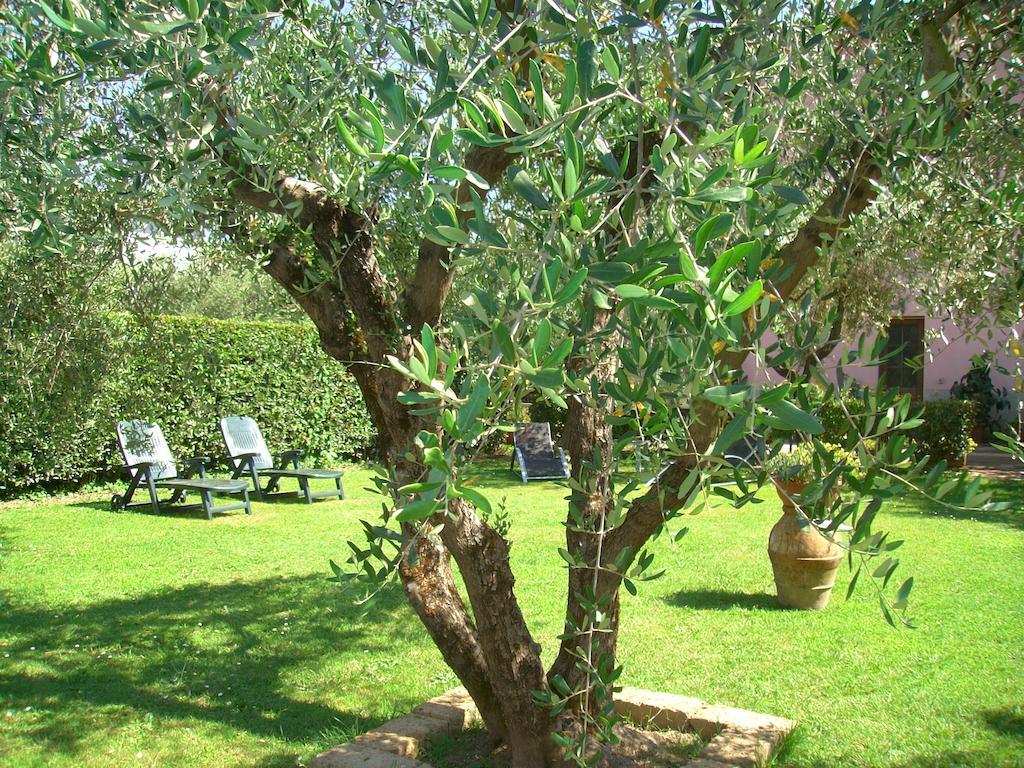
(248, 453)
(149, 460)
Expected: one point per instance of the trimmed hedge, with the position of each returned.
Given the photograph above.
(184, 373)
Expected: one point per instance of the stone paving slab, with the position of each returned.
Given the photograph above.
(455, 707)
(735, 738)
(656, 709)
(741, 749)
(404, 735)
(714, 718)
(361, 756)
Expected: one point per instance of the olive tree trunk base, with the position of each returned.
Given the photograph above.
(733, 738)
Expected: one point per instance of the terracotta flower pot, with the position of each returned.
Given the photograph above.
(804, 561)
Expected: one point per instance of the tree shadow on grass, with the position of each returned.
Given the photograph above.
(957, 759)
(222, 653)
(191, 508)
(943, 759)
(723, 600)
(1010, 492)
(1008, 721)
(184, 511)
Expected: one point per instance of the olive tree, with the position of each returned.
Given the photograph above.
(623, 197)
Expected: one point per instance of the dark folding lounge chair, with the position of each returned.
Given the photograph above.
(248, 453)
(149, 460)
(536, 453)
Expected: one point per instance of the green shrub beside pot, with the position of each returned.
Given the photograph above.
(797, 465)
(990, 400)
(834, 410)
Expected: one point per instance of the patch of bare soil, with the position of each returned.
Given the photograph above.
(637, 748)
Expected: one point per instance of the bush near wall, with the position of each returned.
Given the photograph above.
(946, 430)
(184, 373)
(835, 413)
(944, 434)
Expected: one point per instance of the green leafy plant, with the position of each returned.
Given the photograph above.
(945, 431)
(978, 387)
(542, 409)
(836, 410)
(798, 463)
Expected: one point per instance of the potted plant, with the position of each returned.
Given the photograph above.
(803, 560)
(990, 400)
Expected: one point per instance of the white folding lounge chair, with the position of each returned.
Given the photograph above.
(149, 460)
(248, 453)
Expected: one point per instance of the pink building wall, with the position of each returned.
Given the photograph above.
(947, 357)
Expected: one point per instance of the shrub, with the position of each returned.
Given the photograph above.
(835, 408)
(185, 373)
(977, 386)
(545, 410)
(835, 414)
(946, 429)
(797, 464)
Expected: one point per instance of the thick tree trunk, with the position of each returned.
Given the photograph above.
(483, 558)
(494, 657)
(589, 439)
(492, 651)
(430, 587)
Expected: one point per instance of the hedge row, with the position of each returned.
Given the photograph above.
(185, 373)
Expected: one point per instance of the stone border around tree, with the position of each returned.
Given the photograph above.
(733, 738)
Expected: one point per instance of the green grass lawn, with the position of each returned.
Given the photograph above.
(131, 639)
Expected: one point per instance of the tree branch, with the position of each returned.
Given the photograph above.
(515, 667)
(847, 200)
(589, 438)
(325, 304)
(431, 590)
(946, 14)
(342, 235)
(425, 296)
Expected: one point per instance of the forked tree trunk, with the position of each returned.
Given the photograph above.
(588, 438)
(487, 643)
